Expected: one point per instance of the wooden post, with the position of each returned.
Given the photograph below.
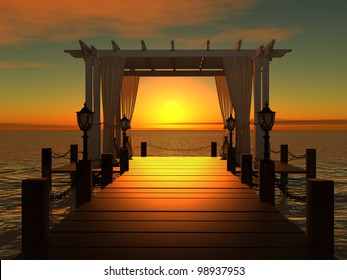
(320, 217)
(106, 169)
(84, 182)
(284, 159)
(246, 169)
(143, 149)
(267, 181)
(310, 163)
(213, 149)
(46, 165)
(231, 160)
(35, 212)
(73, 153)
(124, 160)
(73, 159)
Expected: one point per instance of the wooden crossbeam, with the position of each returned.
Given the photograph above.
(175, 73)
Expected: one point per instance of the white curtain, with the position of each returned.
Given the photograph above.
(112, 70)
(225, 104)
(128, 97)
(238, 73)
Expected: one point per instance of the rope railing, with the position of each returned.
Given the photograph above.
(288, 194)
(293, 157)
(59, 196)
(58, 156)
(178, 149)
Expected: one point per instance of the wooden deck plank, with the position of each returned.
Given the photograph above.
(172, 178)
(177, 216)
(176, 205)
(167, 253)
(166, 195)
(175, 226)
(207, 240)
(176, 185)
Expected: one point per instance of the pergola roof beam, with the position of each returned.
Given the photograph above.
(184, 62)
(179, 53)
(86, 51)
(143, 45)
(237, 46)
(269, 47)
(115, 47)
(173, 59)
(207, 48)
(144, 48)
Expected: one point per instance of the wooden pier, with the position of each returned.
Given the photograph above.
(175, 208)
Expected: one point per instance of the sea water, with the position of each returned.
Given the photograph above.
(20, 158)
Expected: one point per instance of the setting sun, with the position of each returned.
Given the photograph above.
(176, 103)
(171, 112)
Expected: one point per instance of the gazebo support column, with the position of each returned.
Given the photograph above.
(258, 134)
(92, 83)
(265, 82)
(118, 128)
(95, 150)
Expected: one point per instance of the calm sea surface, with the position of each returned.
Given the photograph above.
(20, 158)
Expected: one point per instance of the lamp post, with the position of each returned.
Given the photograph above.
(84, 183)
(124, 152)
(266, 170)
(85, 119)
(230, 124)
(266, 119)
(125, 125)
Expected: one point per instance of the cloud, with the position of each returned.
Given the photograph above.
(22, 65)
(27, 21)
(231, 34)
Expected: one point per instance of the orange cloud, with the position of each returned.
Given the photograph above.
(61, 20)
(22, 64)
(231, 34)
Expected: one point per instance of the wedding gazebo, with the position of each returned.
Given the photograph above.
(114, 75)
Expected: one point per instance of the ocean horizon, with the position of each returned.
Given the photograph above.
(324, 124)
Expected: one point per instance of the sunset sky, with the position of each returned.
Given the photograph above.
(40, 84)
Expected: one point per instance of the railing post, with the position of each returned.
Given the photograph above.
(84, 182)
(231, 161)
(320, 217)
(124, 160)
(106, 169)
(246, 169)
(35, 212)
(73, 153)
(46, 165)
(284, 159)
(213, 149)
(267, 181)
(73, 159)
(143, 149)
(310, 163)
